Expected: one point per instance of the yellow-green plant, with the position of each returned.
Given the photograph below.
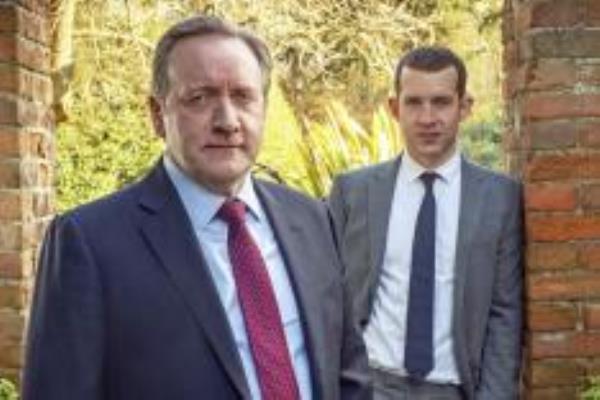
(341, 143)
(591, 389)
(8, 391)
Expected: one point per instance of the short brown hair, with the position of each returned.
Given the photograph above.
(201, 25)
(432, 59)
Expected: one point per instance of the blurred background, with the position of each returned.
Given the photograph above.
(334, 62)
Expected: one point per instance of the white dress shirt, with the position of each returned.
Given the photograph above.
(385, 334)
(202, 206)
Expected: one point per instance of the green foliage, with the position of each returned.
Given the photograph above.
(331, 50)
(591, 389)
(106, 140)
(8, 391)
(481, 140)
(308, 161)
(333, 60)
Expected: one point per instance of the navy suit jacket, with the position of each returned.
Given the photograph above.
(125, 307)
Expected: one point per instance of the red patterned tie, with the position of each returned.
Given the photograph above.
(259, 307)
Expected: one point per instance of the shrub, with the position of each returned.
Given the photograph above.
(591, 389)
(8, 391)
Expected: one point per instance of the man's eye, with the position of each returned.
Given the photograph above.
(442, 101)
(197, 98)
(242, 95)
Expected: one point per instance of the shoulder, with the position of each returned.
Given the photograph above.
(498, 182)
(291, 197)
(366, 173)
(111, 210)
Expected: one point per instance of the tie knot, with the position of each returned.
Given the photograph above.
(232, 211)
(428, 178)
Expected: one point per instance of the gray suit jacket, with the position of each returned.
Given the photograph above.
(125, 307)
(488, 288)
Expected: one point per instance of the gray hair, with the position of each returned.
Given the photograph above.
(201, 25)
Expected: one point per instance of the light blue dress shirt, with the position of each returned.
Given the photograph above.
(202, 206)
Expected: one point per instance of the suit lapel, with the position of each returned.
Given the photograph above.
(381, 193)
(287, 227)
(169, 233)
(470, 214)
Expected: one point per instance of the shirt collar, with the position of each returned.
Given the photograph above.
(411, 170)
(200, 203)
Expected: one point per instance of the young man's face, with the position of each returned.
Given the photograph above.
(213, 115)
(429, 112)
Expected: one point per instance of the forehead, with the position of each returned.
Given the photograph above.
(414, 82)
(214, 59)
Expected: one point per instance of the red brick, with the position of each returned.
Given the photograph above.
(10, 174)
(548, 373)
(589, 256)
(8, 78)
(8, 48)
(556, 197)
(12, 324)
(522, 18)
(554, 14)
(589, 133)
(590, 198)
(565, 166)
(33, 26)
(28, 53)
(553, 393)
(12, 355)
(563, 287)
(551, 74)
(11, 237)
(549, 256)
(563, 227)
(589, 74)
(10, 143)
(591, 167)
(551, 135)
(591, 14)
(565, 344)
(13, 296)
(555, 167)
(11, 205)
(552, 317)
(561, 105)
(43, 204)
(8, 111)
(576, 43)
(592, 316)
(15, 265)
(9, 18)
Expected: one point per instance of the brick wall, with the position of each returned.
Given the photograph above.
(25, 164)
(552, 91)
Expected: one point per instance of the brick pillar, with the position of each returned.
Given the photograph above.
(25, 164)
(552, 92)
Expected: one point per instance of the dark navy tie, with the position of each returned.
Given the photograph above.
(418, 351)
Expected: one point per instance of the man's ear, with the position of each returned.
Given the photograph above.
(156, 115)
(393, 106)
(466, 106)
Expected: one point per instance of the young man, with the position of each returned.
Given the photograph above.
(199, 282)
(432, 249)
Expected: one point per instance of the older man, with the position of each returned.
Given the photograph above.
(199, 282)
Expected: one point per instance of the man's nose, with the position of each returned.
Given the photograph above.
(225, 118)
(427, 115)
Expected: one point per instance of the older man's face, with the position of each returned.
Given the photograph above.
(212, 117)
